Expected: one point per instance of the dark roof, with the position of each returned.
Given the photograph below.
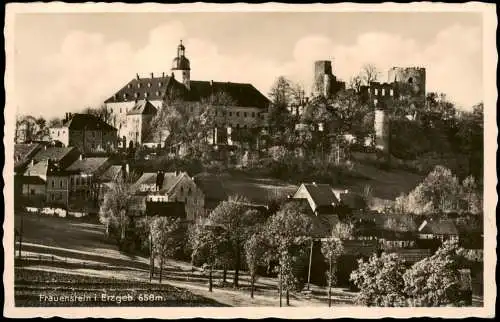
(321, 194)
(438, 227)
(243, 94)
(24, 150)
(169, 180)
(53, 153)
(166, 209)
(87, 165)
(142, 107)
(111, 173)
(35, 180)
(155, 88)
(88, 122)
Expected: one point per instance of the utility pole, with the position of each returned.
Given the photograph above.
(310, 264)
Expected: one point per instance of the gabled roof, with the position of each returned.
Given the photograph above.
(142, 107)
(321, 195)
(87, 122)
(53, 153)
(170, 179)
(438, 227)
(112, 173)
(25, 150)
(37, 169)
(87, 165)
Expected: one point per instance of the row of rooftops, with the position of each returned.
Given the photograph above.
(80, 121)
(40, 159)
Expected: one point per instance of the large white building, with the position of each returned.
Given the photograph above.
(249, 111)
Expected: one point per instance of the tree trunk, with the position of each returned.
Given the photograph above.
(161, 268)
(330, 284)
(279, 287)
(210, 280)
(224, 274)
(252, 285)
(237, 268)
(21, 238)
(287, 298)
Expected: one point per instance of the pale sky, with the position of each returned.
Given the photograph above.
(64, 62)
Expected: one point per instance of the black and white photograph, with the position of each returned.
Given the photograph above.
(333, 158)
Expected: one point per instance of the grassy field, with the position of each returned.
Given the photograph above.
(68, 257)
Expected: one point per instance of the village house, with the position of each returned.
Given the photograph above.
(86, 132)
(83, 178)
(164, 187)
(249, 111)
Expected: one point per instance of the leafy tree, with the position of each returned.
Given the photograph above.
(435, 281)
(208, 242)
(471, 196)
(332, 248)
(113, 212)
(102, 112)
(380, 281)
(254, 251)
(440, 191)
(287, 233)
(165, 236)
(239, 222)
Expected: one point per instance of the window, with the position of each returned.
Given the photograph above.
(376, 91)
(77, 181)
(159, 84)
(149, 84)
(230, 113)
(383, 91)
(60, 184)
(253, 114)
(53, 183)
(71, 180)
(120, 109)
(139, 85)
(237, 113)
(146, 94)
(157, 93)
(57, 133)
(391, 92)
(52, 196)
(32, 191)
(410, 80)
(93, 134)
(245, 114)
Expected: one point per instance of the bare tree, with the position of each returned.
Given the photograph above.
(369, 73)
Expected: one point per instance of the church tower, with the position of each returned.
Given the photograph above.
(180, 66)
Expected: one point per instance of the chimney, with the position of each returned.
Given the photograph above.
(137, 76)
(173, 76)
(152, 75)
(211, 83)
(32, 162)
(81, 157)
(159, 180)
(163, 74)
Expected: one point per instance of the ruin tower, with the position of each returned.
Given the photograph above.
(410, 81)
(181, 67)
(382, 130)
(323, 78)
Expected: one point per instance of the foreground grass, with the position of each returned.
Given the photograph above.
(42, 288)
